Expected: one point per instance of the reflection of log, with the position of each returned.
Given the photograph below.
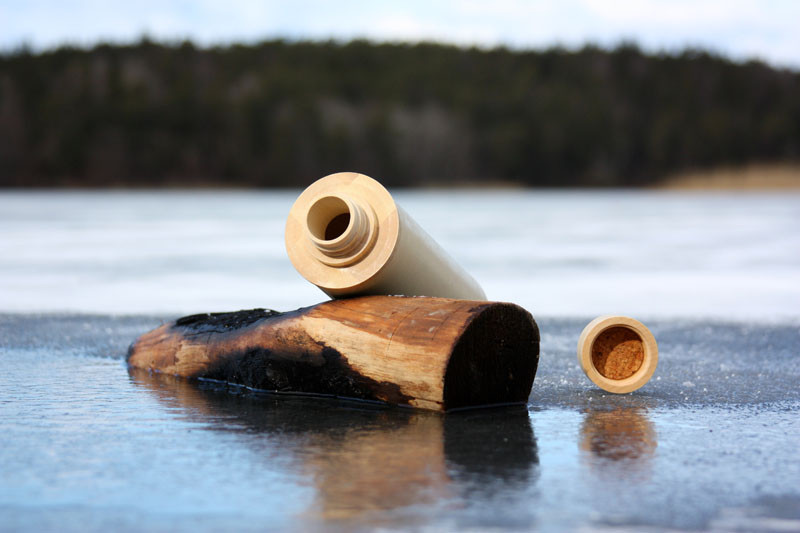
(365, 463)
(432, 353)
(507, 452)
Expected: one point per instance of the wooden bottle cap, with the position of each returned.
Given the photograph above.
(618, 353)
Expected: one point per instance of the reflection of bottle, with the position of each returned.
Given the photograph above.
(379, 468)
(346, 235)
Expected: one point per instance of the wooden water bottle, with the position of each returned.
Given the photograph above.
(346, 235)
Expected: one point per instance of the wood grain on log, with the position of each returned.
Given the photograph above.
(431, 353)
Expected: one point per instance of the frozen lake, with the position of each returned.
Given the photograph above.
(709, 444)
(648, 254)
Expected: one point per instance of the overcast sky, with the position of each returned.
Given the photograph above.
(742, 29)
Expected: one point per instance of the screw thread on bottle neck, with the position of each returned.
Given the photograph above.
(338, 226)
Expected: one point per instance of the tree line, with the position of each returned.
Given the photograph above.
(282, 114)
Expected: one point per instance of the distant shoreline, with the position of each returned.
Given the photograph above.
(283, 114)
(764, 176)
(749, 177)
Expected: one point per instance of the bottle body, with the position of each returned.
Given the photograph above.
(346, 235)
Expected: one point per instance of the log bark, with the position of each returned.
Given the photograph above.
(430, 353)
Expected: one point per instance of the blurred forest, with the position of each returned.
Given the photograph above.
(280, 114)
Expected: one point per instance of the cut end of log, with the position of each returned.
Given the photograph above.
(488, 364)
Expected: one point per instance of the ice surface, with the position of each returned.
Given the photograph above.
(710, 443)
(86, 446)
(648, 254)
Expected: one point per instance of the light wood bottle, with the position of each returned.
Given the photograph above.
(346, 235)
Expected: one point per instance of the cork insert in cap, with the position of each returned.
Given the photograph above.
(617, 353)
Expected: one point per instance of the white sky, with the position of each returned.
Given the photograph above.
(742, 29)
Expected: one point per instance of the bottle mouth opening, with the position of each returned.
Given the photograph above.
(328, 218)
(618, 352)
(340, 229)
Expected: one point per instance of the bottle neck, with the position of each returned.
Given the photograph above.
(340, 229)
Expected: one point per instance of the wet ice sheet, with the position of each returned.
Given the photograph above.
(711, 445)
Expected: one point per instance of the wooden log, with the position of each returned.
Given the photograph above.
(430, 353)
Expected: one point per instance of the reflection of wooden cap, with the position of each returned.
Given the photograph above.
(619, 354)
